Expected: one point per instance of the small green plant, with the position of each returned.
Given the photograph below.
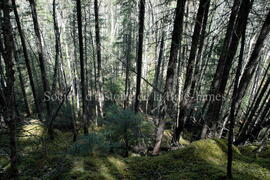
(89, 145)
(124, 128)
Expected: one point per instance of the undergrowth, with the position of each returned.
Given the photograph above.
(204, 159)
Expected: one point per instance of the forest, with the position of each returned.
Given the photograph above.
(134, 89)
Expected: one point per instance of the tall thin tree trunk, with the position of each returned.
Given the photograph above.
(233, 106)
(26, 59)
(251, 65)
(139, 56)
(168, 89)
(185, 103)
(200, 49)
(40, 53)
(235, 28)
(21, 81)
(152, 97)
(99, 66)
(79, 19)
(57, 46)
(128, 54)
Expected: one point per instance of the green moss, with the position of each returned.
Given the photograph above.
(3, 162)
(265, 152)
(204, 159)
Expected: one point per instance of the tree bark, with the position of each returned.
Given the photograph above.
(168, 89)
(139, 55)
(250, 67)
(99, 66)
(57, 46)
(8, 109)
(41, 58)
(27, 109)
(185, 103)
(237, 22)
(233, 106)
(128, 58)
(79, 21)
(26, 59)
(157, 72)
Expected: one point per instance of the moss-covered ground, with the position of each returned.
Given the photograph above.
(204, 159)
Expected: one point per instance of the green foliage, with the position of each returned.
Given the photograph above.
(124, 128)
(89, 145)
(204, 159)
(114, 87)
(63, 120)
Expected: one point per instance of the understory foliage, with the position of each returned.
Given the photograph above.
(204, 159)
(126, 128)
(122, 130)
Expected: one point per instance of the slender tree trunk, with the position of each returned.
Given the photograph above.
(253, 60)
(21, 82)
(235, 28)
(152, 97)
(41, 58)
(57, 46)
(185, 103)
(200, 49)
(168, 89)
(26, 59)
(99, 66)
(233, 107)
(79, 21)
(128, 54)
(139, 56)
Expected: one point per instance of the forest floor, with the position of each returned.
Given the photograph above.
(204, 159)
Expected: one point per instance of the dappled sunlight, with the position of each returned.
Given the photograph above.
(33, 129)
(118, 164)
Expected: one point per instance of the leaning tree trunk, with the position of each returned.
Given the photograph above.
(8, 101)
(40, 53)
(251, 65)
(200, 49)
(157, 72)
(26, 59)
(42, 65)
(168, 89)
(21, 81)
(253, 60)
(57, 46)
(235, 28)
(257, 99)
